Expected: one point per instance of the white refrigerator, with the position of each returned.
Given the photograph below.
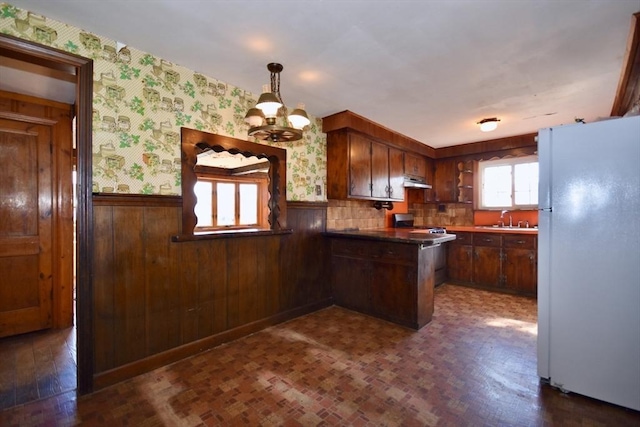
(589, 259)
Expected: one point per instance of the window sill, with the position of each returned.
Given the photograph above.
(227, 234)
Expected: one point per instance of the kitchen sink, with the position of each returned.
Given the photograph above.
(507, 228)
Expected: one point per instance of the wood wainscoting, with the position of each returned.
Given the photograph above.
(157, 301)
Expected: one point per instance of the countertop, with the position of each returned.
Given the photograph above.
(399, 235)
(491, 229)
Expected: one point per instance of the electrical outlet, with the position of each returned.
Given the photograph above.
(318, 190)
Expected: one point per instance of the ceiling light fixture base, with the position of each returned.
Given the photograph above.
(487, 125)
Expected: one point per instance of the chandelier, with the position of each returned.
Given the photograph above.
(263, 119)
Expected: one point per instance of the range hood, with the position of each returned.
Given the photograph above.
(411, 182)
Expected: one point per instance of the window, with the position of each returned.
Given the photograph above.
(508, 183)
(272, 207)
(229, 203)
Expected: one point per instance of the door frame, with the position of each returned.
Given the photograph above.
(82, 68)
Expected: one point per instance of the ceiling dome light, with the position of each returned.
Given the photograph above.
(487, 125)
(269, 110)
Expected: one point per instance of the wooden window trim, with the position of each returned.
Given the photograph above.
(194, 142)
(260, 181)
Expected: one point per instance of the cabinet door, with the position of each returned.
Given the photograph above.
(351, 279)
(445, 180)
(459, 263)
(415, 166)
(393, 292)
(487, 259)
(379, 170)
(486, 266)
(520, 271)
(359, 166)
(396, 174)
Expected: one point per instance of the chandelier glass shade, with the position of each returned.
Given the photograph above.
(270, 109)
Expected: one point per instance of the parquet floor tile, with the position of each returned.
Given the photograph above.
(473, 365)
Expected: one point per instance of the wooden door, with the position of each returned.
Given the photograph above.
(459, 263)
(487, 254)
(379, 170)
(520, 271)
(396, 174)
(393, 292)
(359, 166)
(26, 270)
(444, 184)
(486, 266)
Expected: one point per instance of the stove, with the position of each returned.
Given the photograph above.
(406, 220)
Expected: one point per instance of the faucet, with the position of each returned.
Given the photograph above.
(501, 223)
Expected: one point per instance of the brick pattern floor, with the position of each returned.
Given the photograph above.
(473, 365)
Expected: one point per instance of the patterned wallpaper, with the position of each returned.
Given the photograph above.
(141, 101)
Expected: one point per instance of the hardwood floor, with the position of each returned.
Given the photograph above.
(37, 365)
(473, 365)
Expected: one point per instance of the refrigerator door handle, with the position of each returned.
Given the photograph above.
(546, 209)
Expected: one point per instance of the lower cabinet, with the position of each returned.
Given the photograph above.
(487, 260)
(520, 263)
(392, 281)
(502, 262)
(459, 258)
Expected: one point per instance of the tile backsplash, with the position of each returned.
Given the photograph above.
(442, 214)
(351, 214)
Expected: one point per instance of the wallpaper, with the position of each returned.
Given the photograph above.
(141, 101)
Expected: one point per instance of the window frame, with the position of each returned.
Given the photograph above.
(507, 161)
(261, 180)
(194, 142)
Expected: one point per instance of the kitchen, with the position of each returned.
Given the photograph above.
(364, 214)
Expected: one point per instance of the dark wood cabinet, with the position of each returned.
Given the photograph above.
(496, 261)
(415, 166)
(440, 264)
(393, 295)
(361, 168)
(390, 280)
(453, 181)
(487, 259)
(359, 164)
(465, 181)
(445, 180)
(351, 282)
(460, 258)
(520, 264)
(396, 174)
(387, 166)
(422, 195)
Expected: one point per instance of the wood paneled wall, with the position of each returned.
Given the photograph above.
(157, 301)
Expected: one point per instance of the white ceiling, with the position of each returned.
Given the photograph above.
(428, 69)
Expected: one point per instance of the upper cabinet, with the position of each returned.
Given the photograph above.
(415, 166)
(368, 161)
(361, 168)
(465, 181)
(445, 180)
(453, 181)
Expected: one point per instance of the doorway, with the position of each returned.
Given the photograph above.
(37, 337)
(82, 71)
